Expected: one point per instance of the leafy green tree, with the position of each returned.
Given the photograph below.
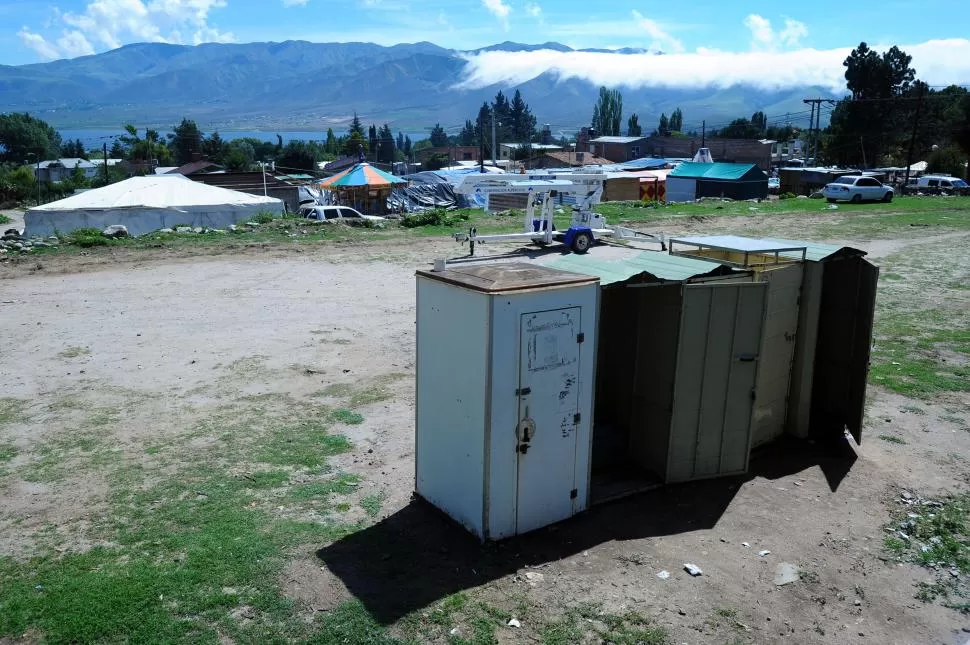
(676, 122)
(633, 128)
(215, 148)
(407, 146)
(331, 142)
(297, 155)
(356, 126)
(439, 139)
(663, 127)
(608, 112)
(400, 141)
(436, 161)
(740, 129)
(467, 136)
(355, 144)
(240, 156)
(523, 122)
(22, 135)
(947, 160)
(385, 144)
(186, 140)
(74, 150)
(17, 183)
(759, 121)
(117, 150)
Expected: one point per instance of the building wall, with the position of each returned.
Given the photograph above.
(454, 153)
(620, 152)
(736, 150)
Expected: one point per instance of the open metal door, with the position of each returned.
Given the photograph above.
(842, 350)
(717, 366)
(777, 349)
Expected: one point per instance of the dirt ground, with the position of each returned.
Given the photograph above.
(159, 345)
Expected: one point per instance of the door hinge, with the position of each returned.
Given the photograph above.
(580, 337)
(574, 493)
(523, 391)
(576, 418)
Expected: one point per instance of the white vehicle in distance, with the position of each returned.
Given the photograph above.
(857, 189)
(343, 214)
(942, 183)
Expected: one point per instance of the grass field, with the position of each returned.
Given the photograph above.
(177, 513)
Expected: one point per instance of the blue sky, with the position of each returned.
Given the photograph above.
(34, 30)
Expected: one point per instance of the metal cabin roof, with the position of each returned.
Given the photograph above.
(658, 264)
(505, 277)
(814, 251)
(716, 170)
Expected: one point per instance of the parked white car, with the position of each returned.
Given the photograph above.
(942, 183)
(343, 214)
(856, 189)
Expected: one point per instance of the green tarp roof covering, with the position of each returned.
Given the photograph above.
(814, 251)
(716, 170)
(656, 263)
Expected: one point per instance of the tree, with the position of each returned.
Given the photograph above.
(331, 143)
(117, 150)
(467, 135)
(438, 137)
(297, 155)
(186, 141)
(355, 144)
(16, 184)
(946, 160)
(215, 148)
(740, 129)
(663, 127)
(608, 112)
(385, 144)
(633, 128)
(74, 149)
(240, 156)
(871, 125)
(407, 146)
(962, 131)
(759, 121)
(676, 122)
(356, 126)
(400, 141)
(437, 161)
(22, 135)
(523, 123)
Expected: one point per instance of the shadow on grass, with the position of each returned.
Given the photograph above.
(418, 556)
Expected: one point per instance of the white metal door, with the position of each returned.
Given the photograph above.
(777, 348)
(548, 416)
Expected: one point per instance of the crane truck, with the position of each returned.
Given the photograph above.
(544, 190)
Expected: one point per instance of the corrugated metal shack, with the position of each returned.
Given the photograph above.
(690, 181)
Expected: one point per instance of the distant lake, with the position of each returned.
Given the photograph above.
(93, 138)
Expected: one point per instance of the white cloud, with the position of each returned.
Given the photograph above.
(39, 44)
(661, 40)
(938, 62)
(793, 32)
(73, 43)
(108, 24)
(302, 3)
(765, 38)
(500, 10)
(533, 9)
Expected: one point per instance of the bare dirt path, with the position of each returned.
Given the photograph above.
(155, 342)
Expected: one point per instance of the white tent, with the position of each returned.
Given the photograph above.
(146, 204)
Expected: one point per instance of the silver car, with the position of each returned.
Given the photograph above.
(857, 189)
(343, 214)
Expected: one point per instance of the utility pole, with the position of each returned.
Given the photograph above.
(105, 164)
(912, 139)
(811, 130)
(481, 144)
(493, 139)
(703, 133)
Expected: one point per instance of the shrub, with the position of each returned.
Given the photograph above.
(433, 217)
(263, 217)
(4, 219)
(87, 237)
(787, 196)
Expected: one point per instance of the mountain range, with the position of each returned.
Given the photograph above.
(298, 85)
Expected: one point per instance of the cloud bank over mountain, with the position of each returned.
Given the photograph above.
(937, 62)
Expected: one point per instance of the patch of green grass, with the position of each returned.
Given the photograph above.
(342, 507)
(906, 353)
(892, 439)
(267, 479)
(372, 504)
(342, 484)
(350, 623)
(348, 417)
(629, 628)
(74, 352)
(4, 219)
(302, 445)
(914, 409)
(724, 612)
(7, 452)
(894, 544)
(444, 611)
(12, 409)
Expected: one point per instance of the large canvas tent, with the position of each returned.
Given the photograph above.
(146, 204)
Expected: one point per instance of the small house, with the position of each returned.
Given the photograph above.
(690, 181)
(57, 170)
(619, 149)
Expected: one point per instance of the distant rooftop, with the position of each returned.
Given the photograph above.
(616, 139)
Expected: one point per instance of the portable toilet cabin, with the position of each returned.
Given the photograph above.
(505, 361)
(678, 355)
(818, 331)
